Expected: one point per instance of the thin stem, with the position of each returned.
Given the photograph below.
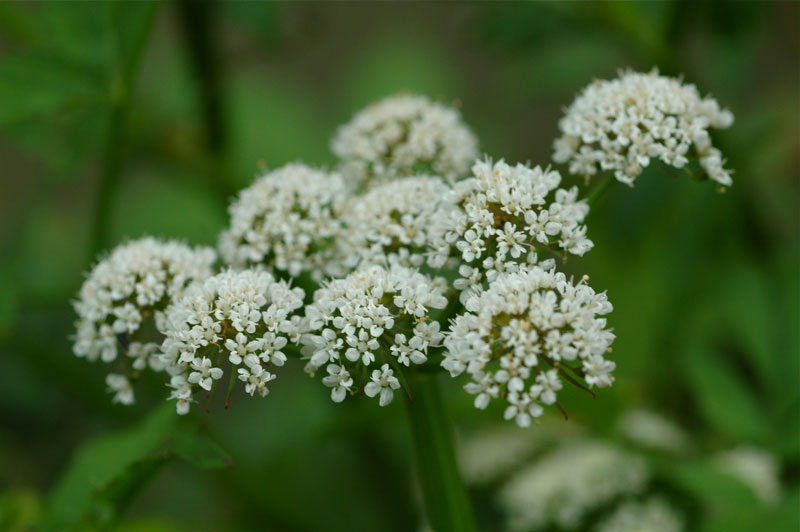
(198, 21)
(120, 85)
(600, 189)
(445, 498)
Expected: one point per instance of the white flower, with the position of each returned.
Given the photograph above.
(243, 317)
(383, 382)
(371, 314)
(203, 373)
(505, 214)
(652, 515)
(255, 378)
(756, 468)
(567, 483)
(521, 334)
(339, 380)
(401, 134)
(623, 123)
(123, 299)
(493, 453)
(650, 429)
(121, 387)
(399, 221)
(287, 220)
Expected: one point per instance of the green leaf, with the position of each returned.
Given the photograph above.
(200, 451)
(111, 501)
(101, 464)
(19, 510)
(724, 399)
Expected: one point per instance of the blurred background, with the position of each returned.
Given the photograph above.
(131, 118)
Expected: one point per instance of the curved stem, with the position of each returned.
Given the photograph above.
(445, 497)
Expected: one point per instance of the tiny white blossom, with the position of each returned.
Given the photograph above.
(399, 221)
(505, 214)
(622, 124)
(372, 313)
(399, 134)
(383, 383)
(756, 468)
(652, 515)
(123, 299)
(121, 387)
(564, 485)
(522, 332)
(288, 220)
(242, 317)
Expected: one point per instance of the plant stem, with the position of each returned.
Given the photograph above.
(198, 21)
(445, 497)
(120, 85)
(600, 189)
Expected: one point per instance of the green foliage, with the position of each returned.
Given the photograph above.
(705, 286)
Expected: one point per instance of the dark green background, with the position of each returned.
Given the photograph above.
(705, 285)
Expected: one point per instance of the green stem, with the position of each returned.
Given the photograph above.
(120, 86)
(444, 494)
(198, 18)
(600, 189)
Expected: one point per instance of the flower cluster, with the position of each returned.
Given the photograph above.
(652, 515)
(398, 220)
(373, 316)
(623, 123)
(754, 467)
(287, 220)
(403, 134)
(525, 333)
(123, 300)
(567, 483)
(650, 430)
(245, 317)
(506, 214)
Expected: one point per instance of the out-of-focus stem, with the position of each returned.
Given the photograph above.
(444, 495)
(197, 17)
(120, 84)
(600, 189)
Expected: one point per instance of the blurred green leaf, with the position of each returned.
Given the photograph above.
(113, 499)
(724, 399)
(19, 510)
(9, 298)
(398, 63)
(176, 206)
(200, 451)
(54, 96)
(102, 461)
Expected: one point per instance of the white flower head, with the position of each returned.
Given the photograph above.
(124, 297)
(652, 515)
(287, 220)
(526, 332)
(651, 430)
(237, 319)
(403, 135)
(622, 124)
(507, 213)
(399, 221)
(376, 315)
(756, 468)
(567, 483)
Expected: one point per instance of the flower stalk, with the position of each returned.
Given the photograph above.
(444, 495)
